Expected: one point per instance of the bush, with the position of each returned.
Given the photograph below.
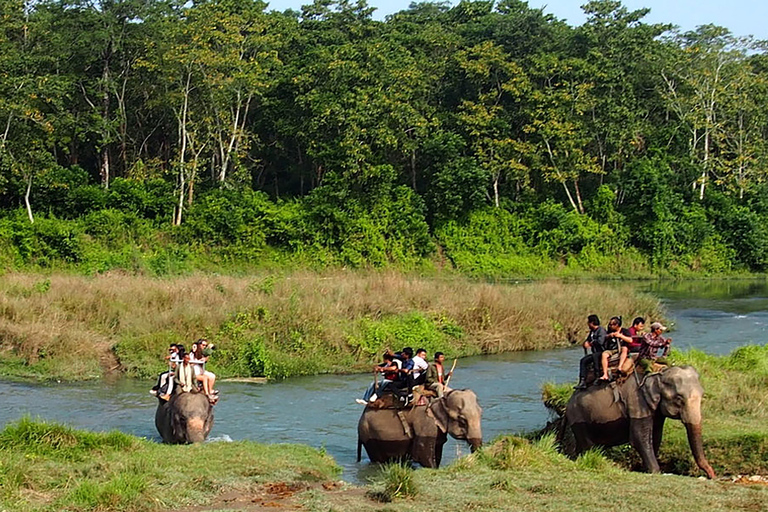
(396, 480)
(371, 222)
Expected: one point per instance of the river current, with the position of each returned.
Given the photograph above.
(320, 411)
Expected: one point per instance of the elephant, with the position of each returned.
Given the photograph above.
(420, 432)
(185, 418)
(634, 412)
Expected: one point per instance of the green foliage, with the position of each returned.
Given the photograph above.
(44, 439)
(396, 480)
(133, 138)
(410, 330)
(595, 460)
(556, 396)
(369, 222)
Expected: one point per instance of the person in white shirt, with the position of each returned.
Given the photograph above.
(419, 372)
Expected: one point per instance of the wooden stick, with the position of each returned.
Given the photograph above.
(375, 383)
(450, 374)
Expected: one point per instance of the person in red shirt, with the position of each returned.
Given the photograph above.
(636, 334)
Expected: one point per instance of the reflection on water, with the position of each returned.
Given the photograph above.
(320, 411)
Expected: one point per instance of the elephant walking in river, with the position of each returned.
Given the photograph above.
(420, 432)
(186, 418)
(634, 412)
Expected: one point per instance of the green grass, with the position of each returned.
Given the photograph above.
(50, 467)
(514, 474)
(395, 480)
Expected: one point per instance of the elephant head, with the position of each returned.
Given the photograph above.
(677, 393)
(459, 415)
(185, 418)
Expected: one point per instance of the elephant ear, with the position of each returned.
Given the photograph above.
(436, 411)
(652, 391)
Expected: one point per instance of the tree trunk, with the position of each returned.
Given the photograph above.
(105, 117)
(183, 138)
(705, 170)
(570, 197)
(104, 171)
(26, 199)
(496, 190)
(578, 196)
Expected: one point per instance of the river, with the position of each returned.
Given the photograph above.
(320, 411)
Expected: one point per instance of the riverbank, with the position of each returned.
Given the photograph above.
(278, 325)
(735, 419)
(46, 467)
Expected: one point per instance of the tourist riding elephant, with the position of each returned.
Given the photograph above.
(634, 412)
(419, 433)
(185, 418)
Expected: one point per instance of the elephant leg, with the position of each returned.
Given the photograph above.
(423, 451)
(658, 432)
(641, 439)
(439, 443)
(583, 441)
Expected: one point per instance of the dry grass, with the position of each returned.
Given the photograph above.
(70, 327)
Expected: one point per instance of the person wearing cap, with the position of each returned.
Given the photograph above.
(650, 346)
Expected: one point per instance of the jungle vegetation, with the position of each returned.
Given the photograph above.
(163, 136)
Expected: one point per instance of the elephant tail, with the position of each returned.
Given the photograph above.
(359, 449)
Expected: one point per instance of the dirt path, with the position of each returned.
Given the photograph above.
(282, 496)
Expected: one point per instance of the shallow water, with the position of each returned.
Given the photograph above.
(320, 411)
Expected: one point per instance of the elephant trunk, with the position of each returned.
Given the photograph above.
(475, 435)
(196, 430)
(697, 448)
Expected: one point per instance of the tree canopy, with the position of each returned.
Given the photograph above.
(490, 133)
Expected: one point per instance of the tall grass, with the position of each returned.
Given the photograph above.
(395, 480)
(278, 325)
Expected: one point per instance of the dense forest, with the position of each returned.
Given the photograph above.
(166, 135)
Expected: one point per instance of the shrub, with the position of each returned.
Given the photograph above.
(594, 459)
(395, 480)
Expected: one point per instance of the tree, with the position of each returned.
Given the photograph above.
(560, 102)
(497, 85)
(697, 85)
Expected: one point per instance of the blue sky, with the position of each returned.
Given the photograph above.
(742, 17)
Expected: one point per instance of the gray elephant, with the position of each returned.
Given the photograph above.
(185, 418)
(419, 433)
(634, 412)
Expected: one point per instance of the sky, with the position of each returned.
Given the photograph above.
(741, 17)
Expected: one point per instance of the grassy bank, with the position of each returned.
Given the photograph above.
(735, 420)
(47, 467)
(516, 474)
(277, 325)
